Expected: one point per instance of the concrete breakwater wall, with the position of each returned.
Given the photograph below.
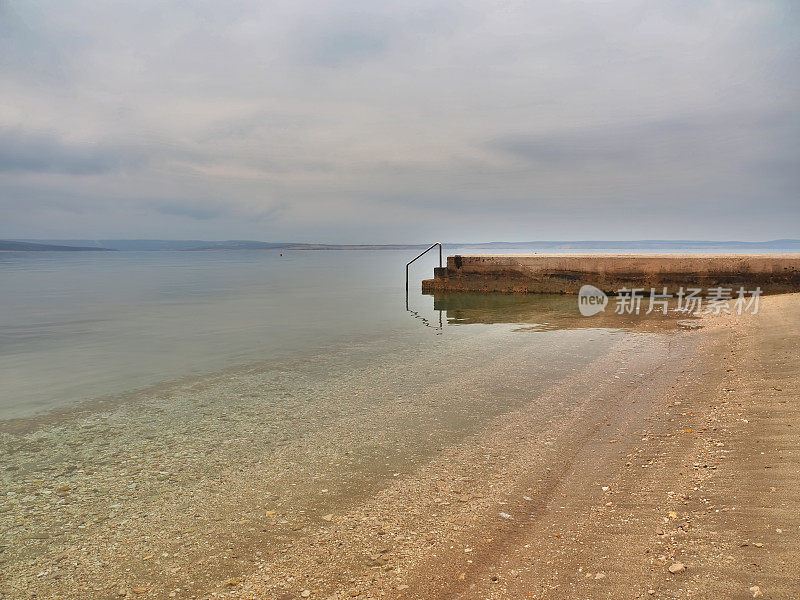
(566, 273)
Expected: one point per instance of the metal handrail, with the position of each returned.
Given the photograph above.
(420, 256)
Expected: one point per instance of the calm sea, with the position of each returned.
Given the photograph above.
(81, 325)
(76, 326)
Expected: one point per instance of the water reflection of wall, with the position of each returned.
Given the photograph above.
(547, 312)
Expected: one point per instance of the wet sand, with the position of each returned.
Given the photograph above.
(650, 451)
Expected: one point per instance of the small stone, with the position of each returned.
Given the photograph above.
(756, 591)
(600, 576)
(377, 560)
(402, 587)
(758, 545)
(677, 567)
(269, 513)
(142, 589)
(505, 515)
(305, 593)
(328, 517)
(651, 592)
(232, 582)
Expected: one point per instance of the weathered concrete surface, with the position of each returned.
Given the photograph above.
(566, 273)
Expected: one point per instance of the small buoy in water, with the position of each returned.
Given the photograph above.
(281, 253)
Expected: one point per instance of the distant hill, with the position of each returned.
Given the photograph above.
(787, 245)
(156, 245)
(622, 245)
(198, 245)
(14, 246)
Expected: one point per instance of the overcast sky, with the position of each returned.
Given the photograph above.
(378, 122)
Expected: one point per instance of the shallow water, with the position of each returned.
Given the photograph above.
(83, 325)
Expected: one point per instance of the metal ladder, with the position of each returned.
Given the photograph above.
(420, 256)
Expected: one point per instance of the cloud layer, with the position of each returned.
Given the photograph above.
(400, 121)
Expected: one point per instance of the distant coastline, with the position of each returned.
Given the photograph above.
(14, 246)
(546, 245)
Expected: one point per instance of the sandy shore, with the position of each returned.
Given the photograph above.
(670, 451)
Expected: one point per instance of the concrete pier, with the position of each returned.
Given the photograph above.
(566, 273)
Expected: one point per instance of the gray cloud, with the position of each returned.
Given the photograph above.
(21, 152)
(340, 46)
(180, 210)
(359, 121)
(676, 140)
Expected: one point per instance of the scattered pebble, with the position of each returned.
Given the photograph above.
(677, 567)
